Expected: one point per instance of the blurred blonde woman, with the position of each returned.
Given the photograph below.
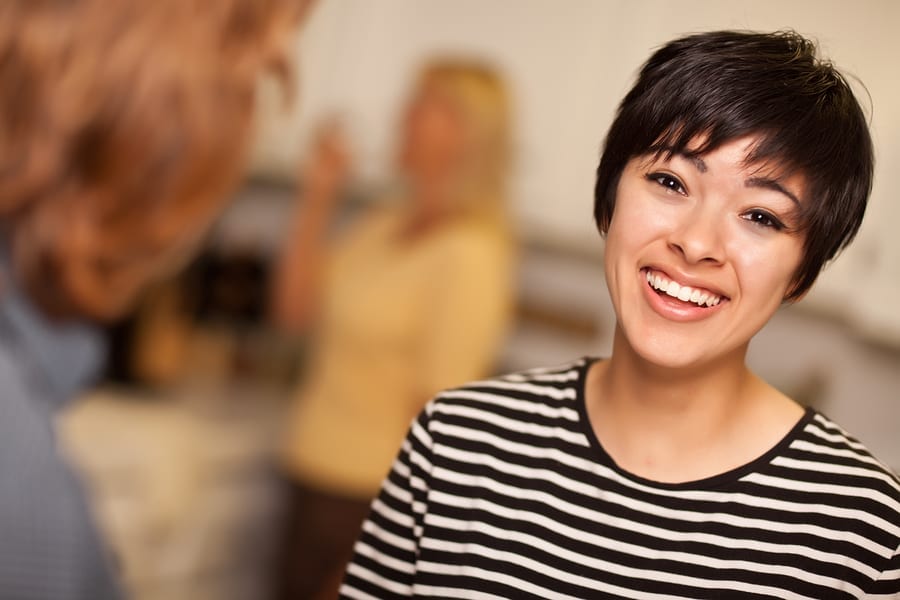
(416, 297)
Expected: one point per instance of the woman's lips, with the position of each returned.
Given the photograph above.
(697, 295)
(678, 302)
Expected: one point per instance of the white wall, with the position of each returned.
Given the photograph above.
(569, 62)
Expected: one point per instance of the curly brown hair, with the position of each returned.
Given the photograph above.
(123, 126)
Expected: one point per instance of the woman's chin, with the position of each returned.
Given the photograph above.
(668, 351)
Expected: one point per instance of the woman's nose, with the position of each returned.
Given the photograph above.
(698, 236)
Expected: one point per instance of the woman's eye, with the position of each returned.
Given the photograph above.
(667, 181)
(764, 219)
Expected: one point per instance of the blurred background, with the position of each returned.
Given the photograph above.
(186, 444)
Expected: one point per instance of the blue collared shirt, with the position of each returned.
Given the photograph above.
(50, 548)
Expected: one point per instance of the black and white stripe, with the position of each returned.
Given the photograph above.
(501, 490)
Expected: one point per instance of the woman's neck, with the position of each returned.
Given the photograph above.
(431, 200)
(677, 425)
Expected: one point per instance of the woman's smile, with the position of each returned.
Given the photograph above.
(679, 301)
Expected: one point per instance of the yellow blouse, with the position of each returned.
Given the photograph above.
(402, 320)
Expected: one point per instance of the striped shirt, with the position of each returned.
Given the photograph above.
(501, 490)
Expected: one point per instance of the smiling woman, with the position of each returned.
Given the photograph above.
(736, 167)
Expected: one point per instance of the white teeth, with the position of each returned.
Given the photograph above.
(682, 292)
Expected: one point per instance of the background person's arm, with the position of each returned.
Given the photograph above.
(298, 272)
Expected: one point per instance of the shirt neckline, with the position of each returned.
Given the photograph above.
(62, 356)
(715, 481)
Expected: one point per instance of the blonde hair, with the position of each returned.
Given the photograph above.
(480, 93)
(123, 127)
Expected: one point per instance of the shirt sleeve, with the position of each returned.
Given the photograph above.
(468, 314)
(384, 560)
(888, 584)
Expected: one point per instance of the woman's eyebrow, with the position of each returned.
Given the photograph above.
(771, 184)
(691, 158)
(696, 161)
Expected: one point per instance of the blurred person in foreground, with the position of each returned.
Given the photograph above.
(414, 297)
(736, 167)
(123, 127)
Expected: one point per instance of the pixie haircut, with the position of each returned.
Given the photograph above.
(699, 92)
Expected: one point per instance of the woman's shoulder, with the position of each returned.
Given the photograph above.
(842, 464)
(464, 231)
(829, 441)
(546, 393)
(472, 250)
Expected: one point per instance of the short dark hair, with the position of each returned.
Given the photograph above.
(723, 85)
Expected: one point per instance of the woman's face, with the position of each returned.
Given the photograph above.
(433, 135)
(700, 253)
